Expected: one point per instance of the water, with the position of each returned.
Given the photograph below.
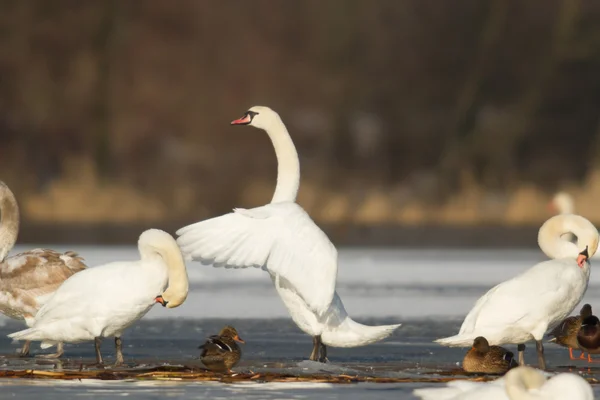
(429, 291)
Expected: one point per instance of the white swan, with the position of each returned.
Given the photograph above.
(521, 383)
(28, 280)
(524, 307)
(103, 301)
(562, 203)
(283, 240)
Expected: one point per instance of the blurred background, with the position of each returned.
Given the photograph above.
(417, 121)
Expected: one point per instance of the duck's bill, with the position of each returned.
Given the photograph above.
(245, 120)
(239, 339)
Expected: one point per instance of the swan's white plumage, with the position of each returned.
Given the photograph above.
(283, 240)
(526, 306)
(522, 383)
(279, 237)
(105, 300)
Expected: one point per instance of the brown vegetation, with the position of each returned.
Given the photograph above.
(406, 112)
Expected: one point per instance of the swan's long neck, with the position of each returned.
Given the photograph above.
(9, 221)
(288, 165)
(550, 236)
(177, 291)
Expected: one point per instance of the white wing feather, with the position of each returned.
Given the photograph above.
(278, 237)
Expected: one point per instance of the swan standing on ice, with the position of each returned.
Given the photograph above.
(283, 240)
(28, 280)
(103, 301)
(524, 307)
(521, 383)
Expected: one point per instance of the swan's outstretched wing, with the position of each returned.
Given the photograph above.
(278, 237)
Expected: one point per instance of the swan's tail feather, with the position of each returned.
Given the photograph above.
(25, 334)
(352, 334)
(46, 344)
(456, 341)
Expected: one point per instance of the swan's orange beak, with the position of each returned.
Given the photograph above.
(238, 339)
(552, 208)
(161, 300)
(245, 120)
(582, 257)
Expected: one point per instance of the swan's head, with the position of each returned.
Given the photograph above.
(562, 203)
(522, 379)
(258, 116)
(155, 243)
(550, 238)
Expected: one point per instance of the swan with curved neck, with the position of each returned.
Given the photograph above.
(282, 239)
(28, 279)
(521, 383)
(120, 293)
(526, 306)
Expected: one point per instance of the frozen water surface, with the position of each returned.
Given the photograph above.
(429, 291)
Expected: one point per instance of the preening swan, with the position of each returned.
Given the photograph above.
(283, 240)
(521, 383)
(103, 301)
(524, 307)
(28, 280)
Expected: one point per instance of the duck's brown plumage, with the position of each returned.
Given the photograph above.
(483, 358)
(565, 333)
(221, 352)
(588, 336)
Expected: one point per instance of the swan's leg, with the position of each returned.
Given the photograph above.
(521, 349)
(582, 356)
(323, 356)
(571, 354)
(97, 343)
(119, 349)
(60, 350)
(315, 352)
(540, 353)
(25, 350)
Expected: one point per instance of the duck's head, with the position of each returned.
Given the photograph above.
(481, 344)
(592, 320)
(230, 332)
(586, 311)
(258, 116)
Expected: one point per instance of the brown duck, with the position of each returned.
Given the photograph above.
(565, 334)
(588, 336)
(483, 358)
(221, 352)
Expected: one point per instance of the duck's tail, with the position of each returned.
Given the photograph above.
(343, 331)
(457, 341)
